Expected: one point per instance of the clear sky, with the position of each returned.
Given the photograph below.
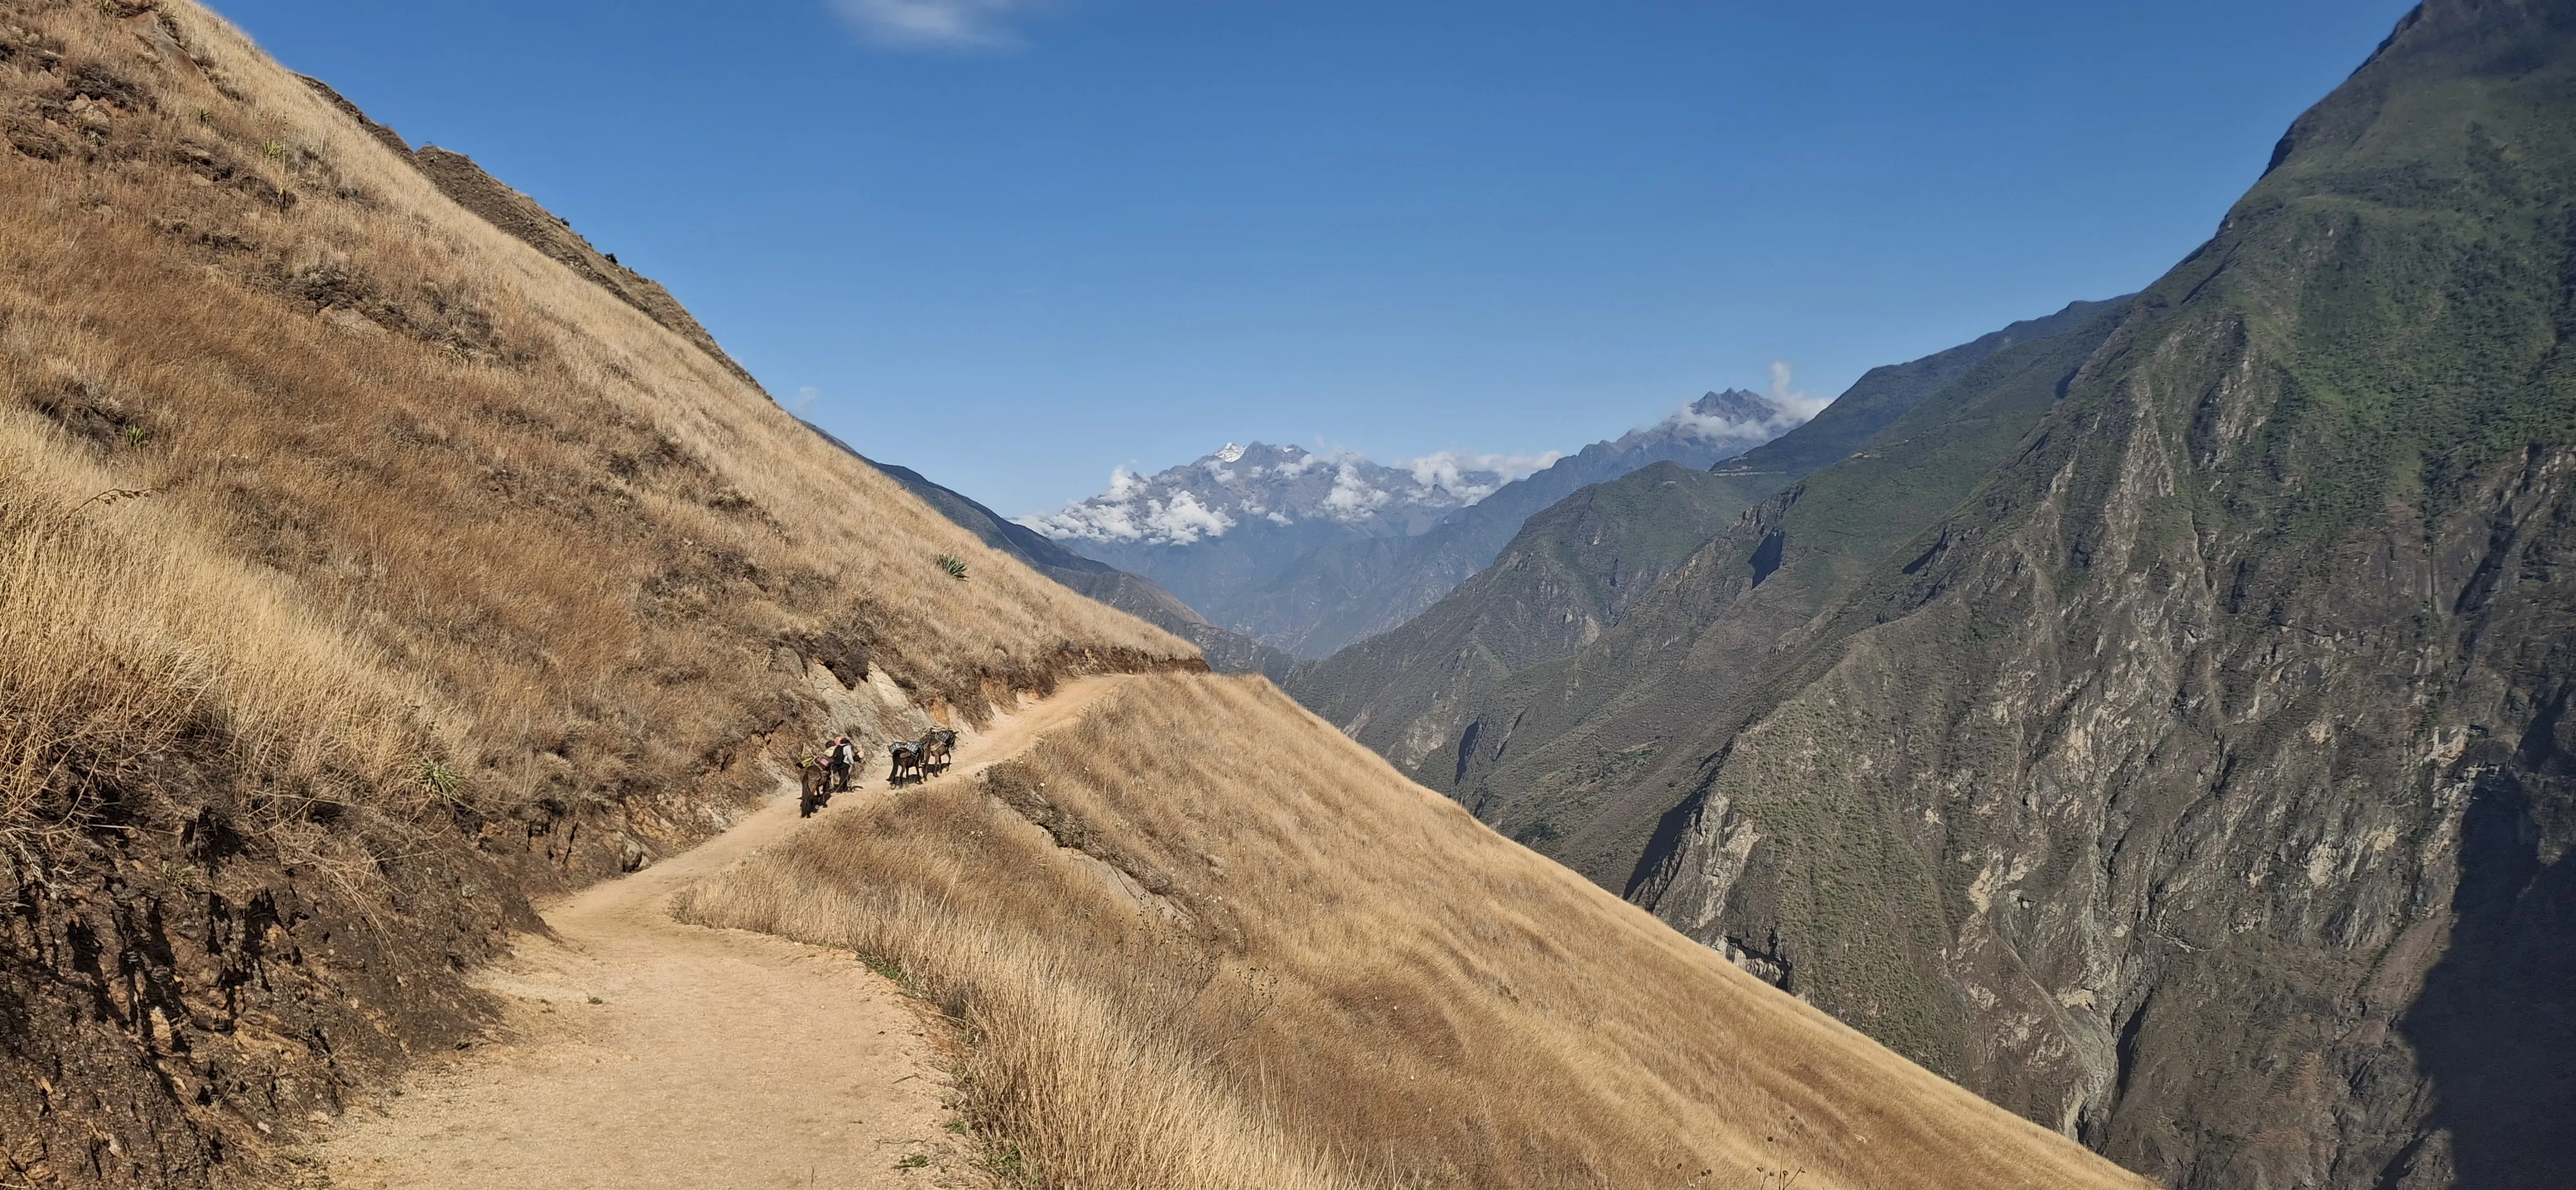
(1015, 243)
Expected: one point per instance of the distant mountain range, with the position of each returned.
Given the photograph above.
(1308, 552)
(1226, 652)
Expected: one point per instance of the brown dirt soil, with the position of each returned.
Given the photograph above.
(641, 1052)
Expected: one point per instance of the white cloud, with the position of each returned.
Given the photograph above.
(1124, 483)
(1351, 497)
(1303, 463)
(804, 402)
(1449, 470)
(936, 24)
(1797, 403)
(1711, 426)
(1185, 520)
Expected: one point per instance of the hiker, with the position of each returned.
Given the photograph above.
(843, 754)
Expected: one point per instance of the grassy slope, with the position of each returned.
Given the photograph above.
(444, 574)
(1204, 940)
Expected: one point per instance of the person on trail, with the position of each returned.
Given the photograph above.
(844, 755)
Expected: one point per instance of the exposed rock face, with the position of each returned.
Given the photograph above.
(2202, 785)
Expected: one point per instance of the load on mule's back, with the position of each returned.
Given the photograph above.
(937, 746)
(907, 756)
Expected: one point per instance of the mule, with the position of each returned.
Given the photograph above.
(907, 759)
(937, 746)
(816, 779)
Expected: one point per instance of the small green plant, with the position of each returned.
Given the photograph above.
(1004, 1159)
(441, 779)
(954, 565)
(915, 1161)
(136, 436)
(275, 148)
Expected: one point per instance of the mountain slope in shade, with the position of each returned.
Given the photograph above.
(1342, 593)
(1414, 693)
(2200, 785)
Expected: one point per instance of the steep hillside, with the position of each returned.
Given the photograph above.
(1416, 693)
(2200, 784)
(1344, 592)
(1203, 940)
(363, 570)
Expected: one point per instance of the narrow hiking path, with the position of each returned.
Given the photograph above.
(640, 1052)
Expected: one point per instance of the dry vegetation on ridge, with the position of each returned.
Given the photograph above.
(361, 568)
(1201, 939)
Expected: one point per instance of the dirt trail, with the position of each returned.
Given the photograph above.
(641, 1052)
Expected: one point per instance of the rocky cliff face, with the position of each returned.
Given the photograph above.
(2201, 785)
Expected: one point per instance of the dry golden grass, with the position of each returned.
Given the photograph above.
(568, 535)
(1243, 952)
(451, 576)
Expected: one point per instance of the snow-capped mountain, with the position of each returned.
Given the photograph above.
(1283, 540)
(1231, 520)
(1282, 485)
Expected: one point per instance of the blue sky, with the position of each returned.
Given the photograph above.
(1015, 243)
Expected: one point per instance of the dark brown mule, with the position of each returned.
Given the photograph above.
(817, 793)
(907, 759)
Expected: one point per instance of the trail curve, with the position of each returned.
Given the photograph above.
(640, 1052)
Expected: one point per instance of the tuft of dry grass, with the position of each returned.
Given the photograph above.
(1202, 939)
